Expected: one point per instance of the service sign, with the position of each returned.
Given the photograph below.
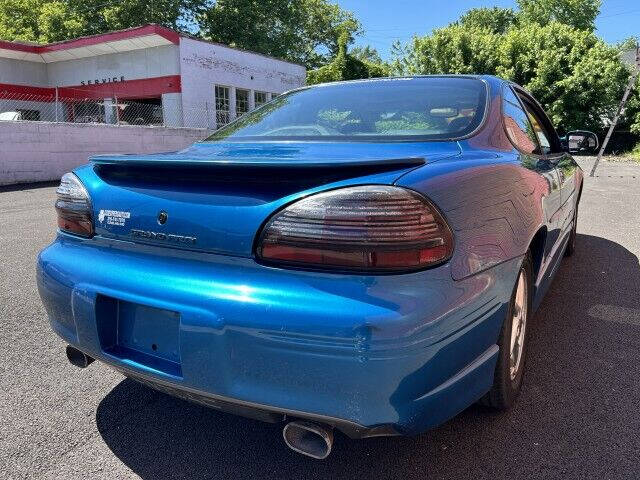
(99, 81)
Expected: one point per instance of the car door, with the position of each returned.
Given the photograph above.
(533, 156)
(565, 165)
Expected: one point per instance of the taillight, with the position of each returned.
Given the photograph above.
(370, 227)
(74, 207)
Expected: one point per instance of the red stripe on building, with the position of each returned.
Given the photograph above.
(170, 35)
(141, 88)
(8, 90)
(19, 47)
(166, 33)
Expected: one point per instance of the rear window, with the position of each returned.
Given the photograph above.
(430, 108)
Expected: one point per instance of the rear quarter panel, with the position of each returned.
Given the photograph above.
(494, 207)
(494, 198)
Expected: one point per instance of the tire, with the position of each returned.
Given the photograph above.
(571, 246)
(508, 376)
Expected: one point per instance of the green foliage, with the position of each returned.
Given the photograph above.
(496, 19)
(631, 118)
(58, 22)
(104, 16)
(34, 21)
(346, 67)
(366, 53)
(580, 14)
(577, 77)
(303, 31)
(453, 49)
(51, 21)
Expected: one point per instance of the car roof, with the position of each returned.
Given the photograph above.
(490, 79)
(433, 75)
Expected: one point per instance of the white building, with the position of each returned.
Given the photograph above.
(144, 75)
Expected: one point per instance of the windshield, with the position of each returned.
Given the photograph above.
(428, 108)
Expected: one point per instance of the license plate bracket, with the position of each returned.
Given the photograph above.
(139, 333)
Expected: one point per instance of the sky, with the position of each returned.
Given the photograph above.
(384, 21)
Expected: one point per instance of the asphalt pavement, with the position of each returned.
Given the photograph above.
(578, 415)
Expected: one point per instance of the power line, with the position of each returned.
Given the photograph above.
(629, 12)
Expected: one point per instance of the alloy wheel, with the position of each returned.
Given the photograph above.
(518, 325)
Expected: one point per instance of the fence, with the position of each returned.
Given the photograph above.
(168, 112)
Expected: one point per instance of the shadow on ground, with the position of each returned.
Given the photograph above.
(28, 186)
(577, 409)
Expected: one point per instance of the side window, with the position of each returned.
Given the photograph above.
(517, 124)
(541, 133)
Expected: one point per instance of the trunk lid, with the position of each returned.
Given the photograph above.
(215, 197)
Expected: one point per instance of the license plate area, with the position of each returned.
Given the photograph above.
(138, 333)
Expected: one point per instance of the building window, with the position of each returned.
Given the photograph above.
(274, 95)
(222, 105)
(242, 102)
(260, 98)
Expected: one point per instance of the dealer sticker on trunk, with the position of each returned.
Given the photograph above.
(113, 217)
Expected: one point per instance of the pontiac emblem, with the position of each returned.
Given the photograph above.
(162, 217)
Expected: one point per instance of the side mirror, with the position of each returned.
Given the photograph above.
(581, 141)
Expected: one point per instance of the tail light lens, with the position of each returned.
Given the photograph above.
(73, 207)
(370, 227)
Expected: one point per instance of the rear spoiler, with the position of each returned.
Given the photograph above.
(179, 160)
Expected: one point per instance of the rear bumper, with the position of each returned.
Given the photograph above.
(372, 355)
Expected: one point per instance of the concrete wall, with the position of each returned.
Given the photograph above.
(41, 151)
(204, 65)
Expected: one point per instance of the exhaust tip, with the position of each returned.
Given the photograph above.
(309, 439)
(78, 358)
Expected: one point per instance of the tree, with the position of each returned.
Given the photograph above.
(577, 77)
(549, 47)
(456, 48)
(51, 21)
(105, 16)
(346, 67)
(19, 20)
(496, 19)
(57, 22)
(303, 31)
(366, 53)
(580, 14)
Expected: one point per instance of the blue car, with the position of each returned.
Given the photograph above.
(360, 256)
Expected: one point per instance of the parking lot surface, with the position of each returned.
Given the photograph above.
(577, 416)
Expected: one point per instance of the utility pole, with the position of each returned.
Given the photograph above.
(625, 97)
